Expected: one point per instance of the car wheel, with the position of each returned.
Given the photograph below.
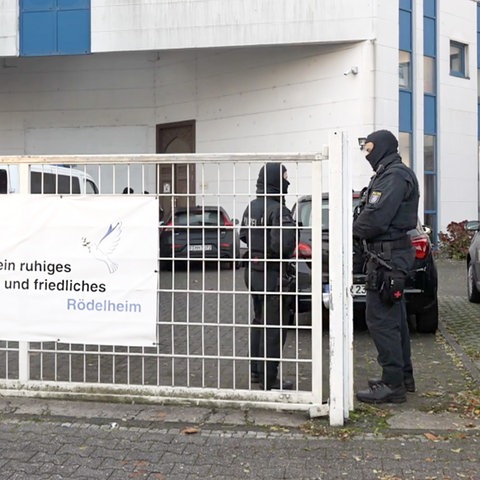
(427, 321)
(473, 293)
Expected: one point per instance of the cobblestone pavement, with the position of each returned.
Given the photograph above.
(55, 450)
(435, 435)
(460, 319)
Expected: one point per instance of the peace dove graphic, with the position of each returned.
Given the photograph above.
(105, 246)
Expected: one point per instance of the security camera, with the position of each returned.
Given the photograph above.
(361, 142)
(351, 70)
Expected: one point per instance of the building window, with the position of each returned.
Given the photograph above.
(429, 77)
(404, 76)
(430, 182)
(405, 147)
(54, 27)
(429, 153)
(458, 59)
(429, 199)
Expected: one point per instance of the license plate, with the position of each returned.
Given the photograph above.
(200, 248)
(358, 290)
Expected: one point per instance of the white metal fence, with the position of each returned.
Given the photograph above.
(203, 325)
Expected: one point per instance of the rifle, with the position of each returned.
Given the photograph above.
(375, 258)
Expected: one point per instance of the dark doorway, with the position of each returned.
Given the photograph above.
(176, 181)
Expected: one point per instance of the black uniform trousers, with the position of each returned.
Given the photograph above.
(388, 324)
(270, 311)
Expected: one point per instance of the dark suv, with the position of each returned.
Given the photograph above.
(421, 288)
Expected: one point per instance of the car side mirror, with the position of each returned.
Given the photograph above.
(236, 221)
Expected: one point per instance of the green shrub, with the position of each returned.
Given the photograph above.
(454, 244)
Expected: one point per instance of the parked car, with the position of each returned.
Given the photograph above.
(199, 233)
(473, 262)
(422, 281)
(48, 179)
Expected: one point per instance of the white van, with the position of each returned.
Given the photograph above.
(47, 179)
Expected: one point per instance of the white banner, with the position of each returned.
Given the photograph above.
(79, 269)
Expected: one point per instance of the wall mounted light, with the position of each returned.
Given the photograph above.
(352, 70)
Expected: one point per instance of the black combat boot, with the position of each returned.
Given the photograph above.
(409, 383)
(383, 393)
(275, 385)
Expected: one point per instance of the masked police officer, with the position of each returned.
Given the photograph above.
(390, 211)
(268, 230)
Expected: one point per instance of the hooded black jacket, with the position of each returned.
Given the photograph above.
(267, 224)
(392, 197)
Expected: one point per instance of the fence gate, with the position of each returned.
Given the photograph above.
(201, 329)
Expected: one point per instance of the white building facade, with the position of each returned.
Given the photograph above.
(213, 76)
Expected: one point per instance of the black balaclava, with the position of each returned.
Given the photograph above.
(271, 179)
(384, 143)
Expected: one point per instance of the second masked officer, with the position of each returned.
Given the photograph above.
(268, 230)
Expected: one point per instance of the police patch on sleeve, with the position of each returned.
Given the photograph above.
(374, 197)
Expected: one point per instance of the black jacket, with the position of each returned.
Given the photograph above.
(392, 197)
(267, 224)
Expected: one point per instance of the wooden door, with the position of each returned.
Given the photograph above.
(176, 181)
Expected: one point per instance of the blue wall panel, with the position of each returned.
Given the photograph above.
(405, 111)
(54, 27)
(73, 32)
(406, 4)
(429, 37)
(37, 5)
(38, 33)
(73, 4)
(430, 115)
(430, 8)
(405, 20)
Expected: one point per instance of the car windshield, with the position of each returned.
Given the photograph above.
(198, 217)
(305, 212)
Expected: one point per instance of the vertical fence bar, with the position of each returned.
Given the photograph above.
(317, 321)
(341, 378)
(347, 216)
(23, 357)
(336, 273)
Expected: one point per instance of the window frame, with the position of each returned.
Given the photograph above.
(463, 54)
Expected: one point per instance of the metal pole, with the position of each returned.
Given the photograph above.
(23, 357)
(340, 272)
(347, 215)
(317, 283)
